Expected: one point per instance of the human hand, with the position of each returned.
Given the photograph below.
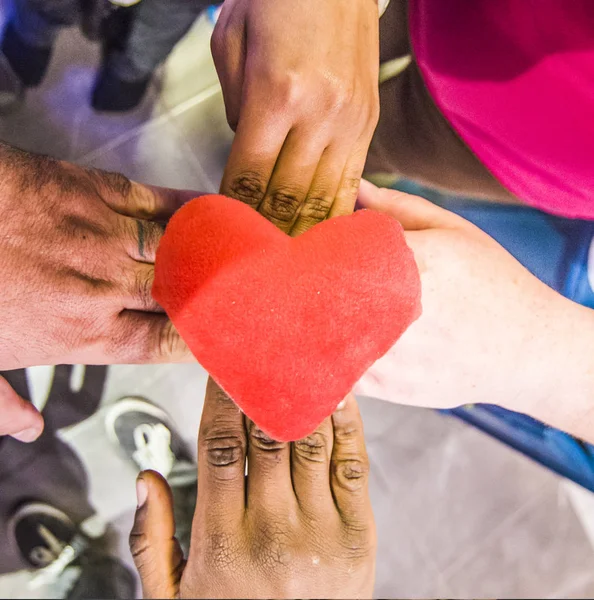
(77, 249)
(490, 332)
(299, 525)
(300, 83)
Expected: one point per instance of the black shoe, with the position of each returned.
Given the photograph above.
(112, 94)
(12, 90)
(40, 533)
(29, 63)
(102, 577)
(145, 434)
(67, 565)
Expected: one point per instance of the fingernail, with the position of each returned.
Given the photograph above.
(27, 435)
(341, 404)
(141, 492)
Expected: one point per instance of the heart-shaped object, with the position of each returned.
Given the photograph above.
(286, 326)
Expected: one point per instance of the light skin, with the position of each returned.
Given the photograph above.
(299, 525)
(300, 83)
(490, 331)
(77, 250)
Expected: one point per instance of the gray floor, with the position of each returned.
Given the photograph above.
(459, 514)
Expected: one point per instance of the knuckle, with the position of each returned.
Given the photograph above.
(248, 187)
(351, 185)
(263, 442)
(139, 546)
(143, 200)
(351, 473)
(289, 87)
(282, 205)
(169, 341)
(114, 183)
(313, 447)
(224, 449)
(142, 288)
(316, 208)
(339, 96)
(347, 433)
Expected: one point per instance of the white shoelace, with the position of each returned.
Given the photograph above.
(153, 448)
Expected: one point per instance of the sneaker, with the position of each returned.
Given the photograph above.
(145, 434)
(40, 532)
(115, 95)
(28, 63)
(68, 561)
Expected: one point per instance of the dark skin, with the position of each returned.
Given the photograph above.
(299, 525)
(303, 100)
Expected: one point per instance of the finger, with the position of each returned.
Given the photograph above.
(144, 337)
(140, 201)
(310, 471)
(221, 463)
(322, 191)
(292, 178)
(138, 285)
(18, 418)
(350, 467)
(269, 473)
(346, 197)
(141, 238)
(413, 212)
(254, 151)
(156, 553)
(228, 48)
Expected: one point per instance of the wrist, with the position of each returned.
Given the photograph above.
(562, 372)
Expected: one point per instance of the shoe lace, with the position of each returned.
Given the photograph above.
(153, 448)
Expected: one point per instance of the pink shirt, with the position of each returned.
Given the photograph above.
(515, 78)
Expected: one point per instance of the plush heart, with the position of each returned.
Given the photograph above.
(286, 326)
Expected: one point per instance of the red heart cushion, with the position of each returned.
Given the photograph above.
(286, 326)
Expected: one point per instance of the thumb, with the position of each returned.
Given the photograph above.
(413, 212)
(157, 554)
(18, 418)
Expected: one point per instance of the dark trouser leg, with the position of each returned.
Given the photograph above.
(37, 22)
(413, 139)
(30, 34)
(158, 26)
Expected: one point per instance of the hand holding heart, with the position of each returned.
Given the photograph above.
(490, 331)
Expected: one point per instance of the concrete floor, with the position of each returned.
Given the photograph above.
(459, 514)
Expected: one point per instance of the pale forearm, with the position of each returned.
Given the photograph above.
(565, 372)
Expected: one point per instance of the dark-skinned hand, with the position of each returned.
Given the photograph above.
(300, 83)
(299, 525)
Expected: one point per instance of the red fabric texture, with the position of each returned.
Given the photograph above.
(286, 326)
